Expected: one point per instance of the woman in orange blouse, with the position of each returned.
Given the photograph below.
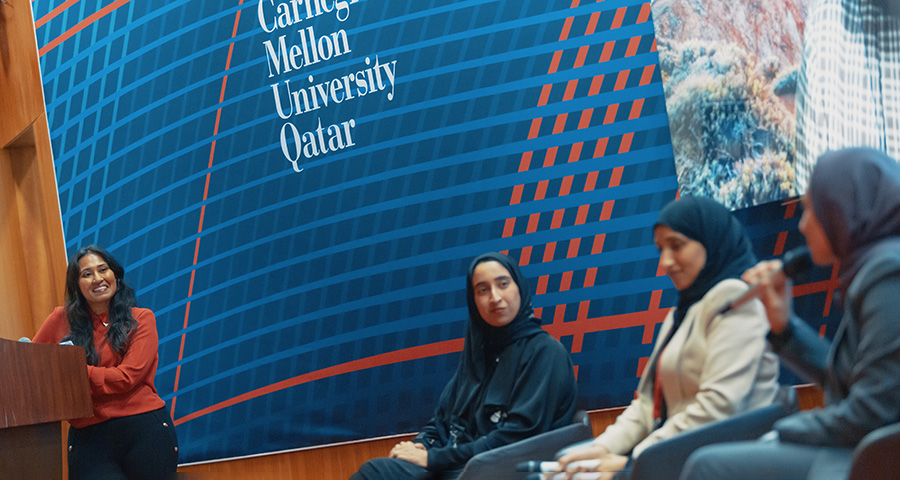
(130, 435)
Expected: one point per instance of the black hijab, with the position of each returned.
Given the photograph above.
(728, 250)
(484, 341)
(855, 195)
(484, 389)
(462, 398)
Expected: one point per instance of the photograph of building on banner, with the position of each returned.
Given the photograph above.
(730, 75)
(756, 91)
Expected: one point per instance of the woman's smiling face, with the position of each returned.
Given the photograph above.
(96, 281)
(681, 257)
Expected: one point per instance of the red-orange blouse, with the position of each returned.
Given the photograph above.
(120, 386)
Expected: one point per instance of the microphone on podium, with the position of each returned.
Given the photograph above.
(795, 262)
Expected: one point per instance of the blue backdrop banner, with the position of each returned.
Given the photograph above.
(296, 188)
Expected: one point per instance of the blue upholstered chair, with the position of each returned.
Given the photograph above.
(500, 463)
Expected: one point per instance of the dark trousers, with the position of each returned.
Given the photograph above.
(396, 469)
(665, 460)
(771, 460)
(136, 447)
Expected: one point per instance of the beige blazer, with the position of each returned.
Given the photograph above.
(714, 367)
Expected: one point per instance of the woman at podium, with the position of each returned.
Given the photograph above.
(130, 434)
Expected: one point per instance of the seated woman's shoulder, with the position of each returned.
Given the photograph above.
(546, 345)
(724, 293)
(728, 287)
(882, 270)
(885, 263)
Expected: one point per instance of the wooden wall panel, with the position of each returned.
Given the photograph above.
(14, 297)
(22, 97)
(31, 235)
(810, 397)
(40, 224)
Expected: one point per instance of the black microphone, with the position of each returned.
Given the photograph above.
(795, 262)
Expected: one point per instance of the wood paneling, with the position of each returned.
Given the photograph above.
(31, 236)
(13, 287)
(42, 383)
(40, 223)
(31, 452)
(810, 397)
(21, 94)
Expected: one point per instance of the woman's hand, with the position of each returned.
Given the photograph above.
(610, 464)
(775, 292)
(590, 451)
(605, 461)
(414, 453)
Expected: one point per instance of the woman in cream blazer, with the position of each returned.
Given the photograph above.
(705, 365)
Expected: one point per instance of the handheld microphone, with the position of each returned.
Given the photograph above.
(796, 261)
(547, 467)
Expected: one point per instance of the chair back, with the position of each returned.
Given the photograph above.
(875, 457)
(500, 463)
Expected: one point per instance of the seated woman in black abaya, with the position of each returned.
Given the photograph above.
(514, 381)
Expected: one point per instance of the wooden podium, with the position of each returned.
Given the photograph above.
(40, 385)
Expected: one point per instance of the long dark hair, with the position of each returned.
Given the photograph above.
(81, 326)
